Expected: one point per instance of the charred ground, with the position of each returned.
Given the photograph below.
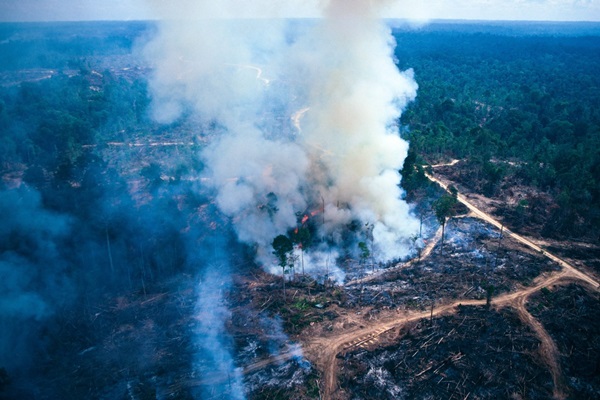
(476, 352)
(570, 314)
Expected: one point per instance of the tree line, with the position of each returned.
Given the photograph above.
(526, 98)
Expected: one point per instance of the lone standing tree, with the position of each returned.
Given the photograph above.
(444, 208)
(282, 246)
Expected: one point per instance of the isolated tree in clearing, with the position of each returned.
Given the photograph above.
(282, 247)
(443, 208)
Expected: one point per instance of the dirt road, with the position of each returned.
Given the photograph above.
(489, 219)
(324, 350)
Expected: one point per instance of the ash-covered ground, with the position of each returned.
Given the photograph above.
(152, 345)
(476, 259)
(475, 353)
(571, 315)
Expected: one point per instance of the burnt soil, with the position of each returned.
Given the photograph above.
(145, 345)
(475, 259)
(571, 315)
(476, 353)
(584, 256)
(132, 346)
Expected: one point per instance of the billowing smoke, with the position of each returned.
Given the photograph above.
(34, 283)
(301, 117)
(214, 356)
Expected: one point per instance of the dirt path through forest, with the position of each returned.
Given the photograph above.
(323, 351)
(548, 350)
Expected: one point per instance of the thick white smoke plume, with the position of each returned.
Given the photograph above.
(303, 118)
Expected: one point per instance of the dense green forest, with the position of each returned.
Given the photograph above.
(522, 108)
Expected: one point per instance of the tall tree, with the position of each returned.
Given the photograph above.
(443, 209)
(283, 247)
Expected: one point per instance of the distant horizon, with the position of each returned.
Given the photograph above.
(417, 13)
(404, 20)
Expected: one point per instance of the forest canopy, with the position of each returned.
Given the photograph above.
(524, 94)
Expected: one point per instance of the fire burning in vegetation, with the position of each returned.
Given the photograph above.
(306, 217)
(344, 103)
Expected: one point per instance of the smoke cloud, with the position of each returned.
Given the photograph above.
(32, 268)
(214, 356)
(300, 116)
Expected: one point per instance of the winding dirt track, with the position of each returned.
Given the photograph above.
(323, 351)
(548, 350)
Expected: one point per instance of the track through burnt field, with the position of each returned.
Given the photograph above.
(324, 351)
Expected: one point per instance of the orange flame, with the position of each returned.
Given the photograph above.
(306, 217)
